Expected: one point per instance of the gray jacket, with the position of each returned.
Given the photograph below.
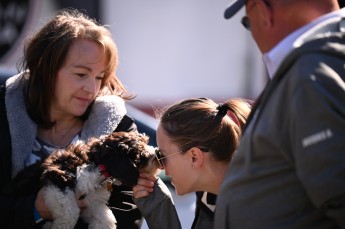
(289, 170)
(158, 208)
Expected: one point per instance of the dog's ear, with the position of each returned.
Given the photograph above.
(100, 147)
(138, 147)
(119, 166)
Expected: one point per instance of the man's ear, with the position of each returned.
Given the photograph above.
(266, 14)
(197, 157)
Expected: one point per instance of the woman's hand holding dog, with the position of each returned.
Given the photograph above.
(145, 185)
(43, 209)
(41, 206)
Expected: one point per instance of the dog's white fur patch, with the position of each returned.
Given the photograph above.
(64, 207)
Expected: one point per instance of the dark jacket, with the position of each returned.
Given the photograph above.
(108, 114)
(204, 210)
(289, 169)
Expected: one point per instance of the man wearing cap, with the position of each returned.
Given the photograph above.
(289, 169)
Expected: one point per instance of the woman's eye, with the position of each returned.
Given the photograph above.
(80, 74)
(99, 78)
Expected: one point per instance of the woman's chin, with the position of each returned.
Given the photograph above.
(178, 191)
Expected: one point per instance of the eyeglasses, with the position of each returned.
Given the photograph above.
(246, 22)
(162, 160)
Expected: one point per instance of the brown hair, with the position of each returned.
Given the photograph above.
(203, 123)
(46, 51)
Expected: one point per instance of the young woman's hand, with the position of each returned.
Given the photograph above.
(41, 206)
(144, 186)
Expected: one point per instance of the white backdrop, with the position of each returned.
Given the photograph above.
(183, 48)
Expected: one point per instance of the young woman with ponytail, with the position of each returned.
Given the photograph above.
(197, 139)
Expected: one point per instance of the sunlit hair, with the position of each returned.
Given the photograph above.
(46, 51)
(200, 123)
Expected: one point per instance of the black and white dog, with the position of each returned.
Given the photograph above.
(87, 171)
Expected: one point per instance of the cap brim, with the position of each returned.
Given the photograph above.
(233, 8)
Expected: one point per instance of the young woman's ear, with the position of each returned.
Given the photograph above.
(197, 157)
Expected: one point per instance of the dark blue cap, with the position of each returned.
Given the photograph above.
(233, 8)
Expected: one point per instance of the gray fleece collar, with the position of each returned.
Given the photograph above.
(104, 117)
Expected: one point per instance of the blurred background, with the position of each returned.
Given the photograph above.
(169, 50)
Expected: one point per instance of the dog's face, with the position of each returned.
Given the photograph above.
(124, 155)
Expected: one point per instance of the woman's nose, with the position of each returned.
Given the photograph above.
(90, 85)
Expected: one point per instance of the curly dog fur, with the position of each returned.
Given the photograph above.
(87, 171)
